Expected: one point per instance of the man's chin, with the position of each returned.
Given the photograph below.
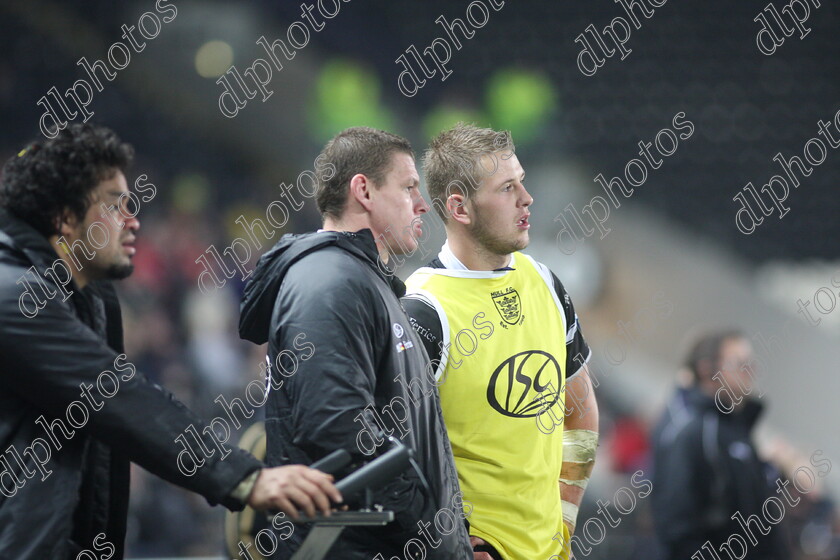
(404, 246)
(410, 246)
(119, 271)
(519, 242)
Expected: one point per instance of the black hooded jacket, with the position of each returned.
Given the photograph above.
(345, 366)
(705, 470)
(78, 499)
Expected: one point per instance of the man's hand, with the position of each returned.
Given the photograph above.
(474, 542)
(294, 487)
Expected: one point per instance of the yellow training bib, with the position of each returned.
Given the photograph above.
(501, 379)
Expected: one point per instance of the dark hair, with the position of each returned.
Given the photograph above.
(355, 150)
(49, 177)
(707, 350)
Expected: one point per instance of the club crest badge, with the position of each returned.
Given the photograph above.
(508, 305)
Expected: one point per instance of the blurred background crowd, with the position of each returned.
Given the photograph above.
(676, 236)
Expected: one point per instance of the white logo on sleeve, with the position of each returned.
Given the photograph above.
(740, 450)
(267, 375)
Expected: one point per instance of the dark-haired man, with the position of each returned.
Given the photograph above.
(709, 484)
(73, 410)
(508, 347)
(366, 377)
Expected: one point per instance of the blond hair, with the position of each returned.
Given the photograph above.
(455, 155)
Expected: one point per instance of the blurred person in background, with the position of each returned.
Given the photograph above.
(331, 296)
(706, 468)
(64, 413)
(814, 524)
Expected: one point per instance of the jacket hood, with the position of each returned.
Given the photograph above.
(261, 290)
(19, 236)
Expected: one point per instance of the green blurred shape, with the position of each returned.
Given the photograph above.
(443, 117)
(520, 101)
(347, 93)
(250, 212)
(190, 193)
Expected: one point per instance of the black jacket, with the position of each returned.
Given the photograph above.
(44, 362)
(330, 291)
(705, 470)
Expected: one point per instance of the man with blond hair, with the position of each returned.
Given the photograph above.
(504, 337)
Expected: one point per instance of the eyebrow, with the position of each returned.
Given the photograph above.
(521, 178)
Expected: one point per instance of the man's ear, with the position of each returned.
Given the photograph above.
(66, 223)
(705, 369)
(360, 190)
(456, 205)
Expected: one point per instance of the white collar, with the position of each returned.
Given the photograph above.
(450, 261)
(448, 258)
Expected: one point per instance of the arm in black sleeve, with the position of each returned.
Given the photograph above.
(577, 350)
(426, 323)
(331, 389)
(681, 489)
(52, 359)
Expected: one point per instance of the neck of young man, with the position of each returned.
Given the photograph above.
(355, 223)
(473, 254)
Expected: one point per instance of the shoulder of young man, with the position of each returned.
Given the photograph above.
(578, 351)
(424, 318)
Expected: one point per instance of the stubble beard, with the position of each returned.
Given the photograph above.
(490, 242)
(119, 271)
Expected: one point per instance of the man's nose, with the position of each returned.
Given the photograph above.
(421, 206)
(132, 223)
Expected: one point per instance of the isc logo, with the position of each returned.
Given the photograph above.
(517, 382)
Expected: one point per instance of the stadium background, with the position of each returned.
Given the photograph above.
(676, 235)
